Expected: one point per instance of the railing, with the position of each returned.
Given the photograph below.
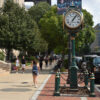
(83, 77)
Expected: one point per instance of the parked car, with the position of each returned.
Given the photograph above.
(87, 58)
(93, 65)
(78, 61)
(89, 61)
(96, 63)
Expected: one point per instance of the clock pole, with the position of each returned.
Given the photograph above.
(73, 21)
(73, 67)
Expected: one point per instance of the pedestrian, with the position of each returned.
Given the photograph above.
(23, 62)
(41, 62)
(50, 60)
(46, 60)
(17, 64)
(35, 72)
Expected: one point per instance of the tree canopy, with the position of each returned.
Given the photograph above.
(38, 10)
(40, 29)
(18, 30)
(52, 31)
(86, 36)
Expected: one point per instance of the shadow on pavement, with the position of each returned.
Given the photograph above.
(28, 71)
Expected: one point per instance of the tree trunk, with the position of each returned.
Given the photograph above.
(8, 51)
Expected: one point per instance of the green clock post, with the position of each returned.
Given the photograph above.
(73, 21)
(73, 67)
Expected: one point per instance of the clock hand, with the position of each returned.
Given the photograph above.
(74, 18)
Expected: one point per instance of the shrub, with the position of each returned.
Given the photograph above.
(2, 56)
(65, 64)
(31, 58)
(63, 69)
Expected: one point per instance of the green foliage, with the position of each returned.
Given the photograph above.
(88, 18)
(40, 45)
(51, 30)
(28, 63)
(63, 69)
(31, 58)
(2, 56)
(57, 39)
(19, 31)
(38, 10)
(86, 36)
(40, 28)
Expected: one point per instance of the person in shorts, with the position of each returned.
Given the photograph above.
(35, 72)
(23, 62)
(17, 64)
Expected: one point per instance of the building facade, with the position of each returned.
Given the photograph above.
(95, 47)
(36, 1)
(20, 2)
(1, 3)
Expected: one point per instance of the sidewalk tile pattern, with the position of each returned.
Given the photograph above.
(48, 91)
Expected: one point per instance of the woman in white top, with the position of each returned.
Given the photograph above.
(17, 64)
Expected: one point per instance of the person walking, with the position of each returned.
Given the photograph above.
(17, 64)
(23, 62)
(41, 62)
(46, 60)
(50, 60)
(35, 72)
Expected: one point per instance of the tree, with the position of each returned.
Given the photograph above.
(87, 35)
(18, 30)
(52, 31)
(38, 10)
(14, 28)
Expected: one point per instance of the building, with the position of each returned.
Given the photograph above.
(1, 3)
(36, 1)
(20, 2)
(95, 47)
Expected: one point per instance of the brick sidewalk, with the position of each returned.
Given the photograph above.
(48, 91)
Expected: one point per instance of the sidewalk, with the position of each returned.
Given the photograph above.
(18, 86)
(48, 92)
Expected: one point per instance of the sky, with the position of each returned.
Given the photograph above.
(92, 6)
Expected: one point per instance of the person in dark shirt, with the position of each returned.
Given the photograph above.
(23, 62)
(41, 62)
(46, 60)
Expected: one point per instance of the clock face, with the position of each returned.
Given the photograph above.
(73, 19)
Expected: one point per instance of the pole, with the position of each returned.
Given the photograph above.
(69, 58)
(92, 83)
(73, 67)
(57, 84)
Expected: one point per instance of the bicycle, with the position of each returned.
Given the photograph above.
(80, 76)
